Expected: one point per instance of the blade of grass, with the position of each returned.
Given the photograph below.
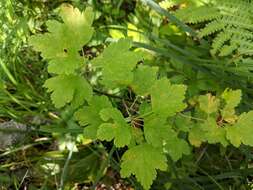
(24, 147)
(8, 73)
(65, 168)
(105, 164)
(172, 18)
(211, 178)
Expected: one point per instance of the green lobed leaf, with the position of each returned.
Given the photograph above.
(67, 88)
(117, 64)
(175, 146)
(160, 134)
(144, 78)
(208, 103)
(142, 161)
(196, 135)
(232, 99)
(233, 135)
(63, 41)
(156, 130)
(214, 133)
(166, 98)
(137, 137)
(207, 131)
(117, 129)
(89, 115)
(241, 132)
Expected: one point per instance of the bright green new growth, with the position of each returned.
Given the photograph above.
(208, 103)
(208, 131)
(68, 88)
(63, 41)
(224, 125)
(142, 161)
(232, 99)
(241, 132)
(117, 64)
(213, 133)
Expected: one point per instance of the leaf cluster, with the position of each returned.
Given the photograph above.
(162, 122)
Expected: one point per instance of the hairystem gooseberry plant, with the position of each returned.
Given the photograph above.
(160, 108)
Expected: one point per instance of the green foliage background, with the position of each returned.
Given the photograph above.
(142, 94)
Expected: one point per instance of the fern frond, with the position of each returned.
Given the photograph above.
(236, 21)
(233, 6)
(219, 41)
(197, 14)
(227, 49)
(211, 28)
(246, 47)
(241, 33)
(230, 20)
